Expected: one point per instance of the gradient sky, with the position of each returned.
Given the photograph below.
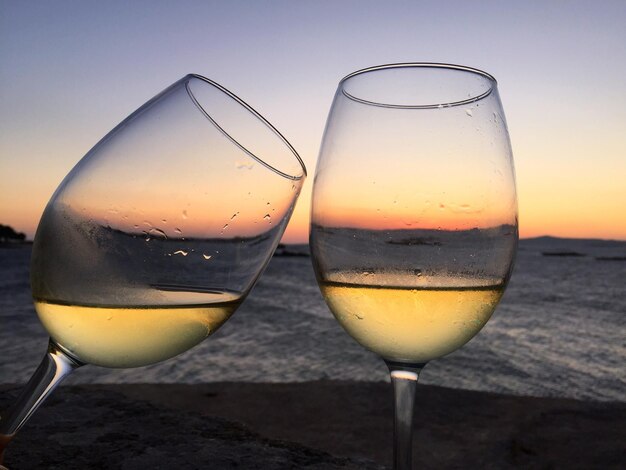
(71, 70)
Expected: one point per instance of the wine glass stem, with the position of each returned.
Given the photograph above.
(55, 366)
(404, 380)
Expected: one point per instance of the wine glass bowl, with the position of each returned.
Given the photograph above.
(414, 210)
(158, 234)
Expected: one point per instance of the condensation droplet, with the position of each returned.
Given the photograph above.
(177, 230)
(234, 215)
(157, 233)
(207, 257)
(224, 227)
(240, 164)
(164, 221)
(469, 112)
(184, 214)
(181, 252)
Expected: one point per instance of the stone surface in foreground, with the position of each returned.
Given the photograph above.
(79, 429)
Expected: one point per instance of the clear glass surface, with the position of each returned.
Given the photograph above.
(157, 235)
(414, 215)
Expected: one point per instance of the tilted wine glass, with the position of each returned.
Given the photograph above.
(157, 235)
(414, 216)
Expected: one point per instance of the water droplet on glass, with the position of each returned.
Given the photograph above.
(267, 217)
(145, 222)
(442, 206)
(207, 257)
(468, 112)
(164, 221)
(240, 165)
(177, 230)
(234, 215)
(224, 227)
(157, 233)
(136, 226)
(181, 252)
(184, 214)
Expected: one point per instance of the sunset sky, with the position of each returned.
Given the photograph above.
(71, 70)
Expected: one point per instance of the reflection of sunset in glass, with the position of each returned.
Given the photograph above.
(452, 168)
(222, 211)
(566, 119)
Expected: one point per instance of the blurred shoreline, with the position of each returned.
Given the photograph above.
(343, 419)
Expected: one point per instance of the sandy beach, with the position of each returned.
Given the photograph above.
(321, 424)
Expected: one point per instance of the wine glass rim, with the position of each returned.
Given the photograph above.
(433, 65)
(256, 114)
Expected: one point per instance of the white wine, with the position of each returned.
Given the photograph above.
(115, 336)
(413, 323)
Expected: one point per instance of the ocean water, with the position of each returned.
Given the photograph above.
(559, 331)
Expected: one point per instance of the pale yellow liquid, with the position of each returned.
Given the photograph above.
(412, 323)
(131, 336)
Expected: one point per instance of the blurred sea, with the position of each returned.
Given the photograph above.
(559, 331)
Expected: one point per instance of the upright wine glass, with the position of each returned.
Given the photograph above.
(157, 235)
(414, 216)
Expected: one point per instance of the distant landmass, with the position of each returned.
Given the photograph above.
(9, 235)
